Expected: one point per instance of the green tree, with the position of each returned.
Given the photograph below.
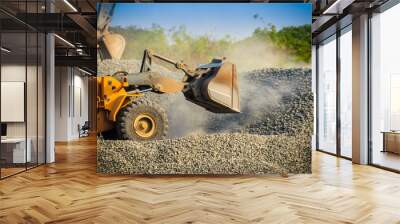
(295, 39)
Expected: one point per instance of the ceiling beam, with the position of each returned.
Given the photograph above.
(86, 27)
(77, 61)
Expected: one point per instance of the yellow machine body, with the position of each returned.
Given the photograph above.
(212, 86)
(111, 98)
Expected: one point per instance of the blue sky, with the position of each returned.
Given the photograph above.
(214, 19)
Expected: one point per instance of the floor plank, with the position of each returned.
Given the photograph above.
(70, 191)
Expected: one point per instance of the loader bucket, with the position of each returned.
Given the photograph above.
(218, 91)
(114, 45)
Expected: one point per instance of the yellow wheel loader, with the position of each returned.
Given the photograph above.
(121, 107)
(120, 104)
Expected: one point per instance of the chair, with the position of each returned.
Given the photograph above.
(84, 130)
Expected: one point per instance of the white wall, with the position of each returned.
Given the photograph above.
(33, 126)
(71, 102)
(80, 101)
(61, 103)
(12, 73)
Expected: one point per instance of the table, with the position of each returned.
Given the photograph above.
(391, 141)
(13, 150)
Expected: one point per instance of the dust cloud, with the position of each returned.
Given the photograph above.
(257, 98)
(259, 95)
(252, 54)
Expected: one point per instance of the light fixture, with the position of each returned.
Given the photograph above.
(80, 45)
(64, 40)
(70, 5)
(5, 49)
(86, 72)
(79, 51)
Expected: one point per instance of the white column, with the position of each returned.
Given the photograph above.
(360, 90)
(50, 99)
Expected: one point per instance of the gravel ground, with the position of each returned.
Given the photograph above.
(225, 153)
(272, 135)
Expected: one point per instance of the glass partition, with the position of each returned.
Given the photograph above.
(346, 92)
(41, 97)
(31, 98)
(327, 95)
(22, 91)
(385, 89)
(13, 94)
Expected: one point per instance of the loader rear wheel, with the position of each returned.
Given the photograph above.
(142, 120)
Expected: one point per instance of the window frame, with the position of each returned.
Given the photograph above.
(337, 34)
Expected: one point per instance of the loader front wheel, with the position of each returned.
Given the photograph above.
(142, 120)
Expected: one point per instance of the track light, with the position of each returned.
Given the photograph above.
(65, 41)
(5, 50)
(70, 5)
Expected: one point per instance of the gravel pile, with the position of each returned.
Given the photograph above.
(271, 135)
(273, 102)
(207, 154)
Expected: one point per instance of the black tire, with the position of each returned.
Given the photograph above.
(128, 115)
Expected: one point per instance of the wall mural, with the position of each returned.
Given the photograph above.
(204, 88)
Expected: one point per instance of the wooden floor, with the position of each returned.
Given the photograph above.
(5, 172)
(387, 159)
(70, 191)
